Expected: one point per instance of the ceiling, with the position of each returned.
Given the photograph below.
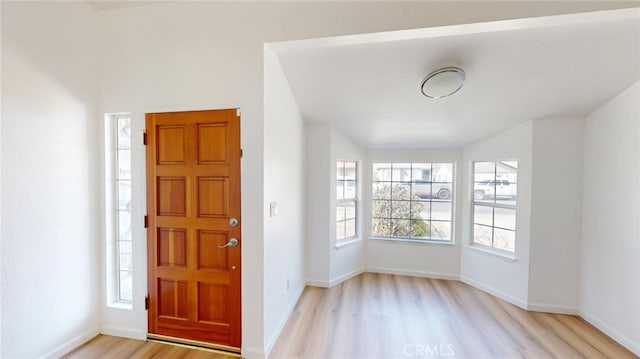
(368, 85)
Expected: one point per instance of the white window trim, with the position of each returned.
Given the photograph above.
(341, 243)
(411, 240)
(504, 255)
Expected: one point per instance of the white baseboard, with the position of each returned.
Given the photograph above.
(552, 308)
(283, 322)
(130, 333)
(318, 283)
(71, 344)
(413, 273)
(335, 281)
(614, 334)
(252, 353)
(346, 276)
(495, 292)
(381, 270)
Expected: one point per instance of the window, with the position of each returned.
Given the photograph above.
(346, 200)
(494, 204)
(118, 171)
(412, 201)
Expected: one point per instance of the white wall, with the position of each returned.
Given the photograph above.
(610, 251)
(346, 259)
(169, 56)
(284, 184)
(198, 55)
(505, 278)
(318, 211)
(329, 263)
(181, 56)
(556, 214)
(1, 241)
(420, 259)
(162, 57)
(50, 229)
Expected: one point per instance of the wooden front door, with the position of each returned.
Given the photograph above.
(193, 229)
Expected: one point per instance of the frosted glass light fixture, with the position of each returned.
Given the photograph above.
(443, 82)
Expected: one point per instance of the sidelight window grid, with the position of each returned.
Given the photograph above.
(121, 127)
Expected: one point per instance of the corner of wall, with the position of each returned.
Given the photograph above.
(348, 260)
(49, 103)
(123, 332)
(508, 280)
(72, 343)
(611, 138)
(284, 186)
(495, 292)
(283, 321)
(253, 353)
(615, 334)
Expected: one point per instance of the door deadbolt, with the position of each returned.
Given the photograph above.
(233, 222)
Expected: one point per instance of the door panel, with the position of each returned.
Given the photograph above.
(193, 190)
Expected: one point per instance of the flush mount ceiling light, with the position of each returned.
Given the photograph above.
(443, 82)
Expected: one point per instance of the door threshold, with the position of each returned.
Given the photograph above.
(194, 344)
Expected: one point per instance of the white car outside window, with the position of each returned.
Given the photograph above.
(494, 189)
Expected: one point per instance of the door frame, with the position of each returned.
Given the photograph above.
(227, 350)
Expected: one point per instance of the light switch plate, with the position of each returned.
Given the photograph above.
(273, 209)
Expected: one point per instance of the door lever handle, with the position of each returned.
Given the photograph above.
(232, 243)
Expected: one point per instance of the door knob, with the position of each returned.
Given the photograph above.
(232, 243)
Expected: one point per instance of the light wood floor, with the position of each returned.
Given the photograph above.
(386, 316)
(104, 346)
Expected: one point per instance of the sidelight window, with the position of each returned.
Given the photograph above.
(118, 180)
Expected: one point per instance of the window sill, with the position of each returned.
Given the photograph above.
(121, 305)
(504, 256)
(348, 242)
(408, 240)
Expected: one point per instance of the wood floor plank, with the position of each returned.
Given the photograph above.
(387, 316)
(107, 347)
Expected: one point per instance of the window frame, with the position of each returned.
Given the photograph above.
(451, 200)
(113, 151)
(342, 201)
(493, 205)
